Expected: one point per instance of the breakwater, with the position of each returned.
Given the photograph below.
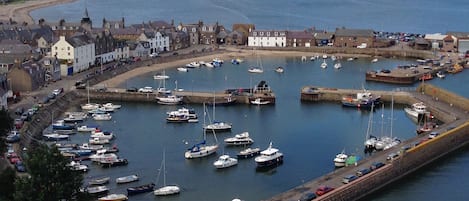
(421, 150)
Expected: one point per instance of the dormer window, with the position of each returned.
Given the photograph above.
(210, 28)
(275, 33)
(268, 33)
(204, 28)
(193, 29)
(254, 33)
(261, 33)
(184, 29)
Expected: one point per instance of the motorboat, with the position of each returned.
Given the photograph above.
(140, 189)
(209, 64)
(218, 126)
(127, 179)
(169, 100)
(160, 76)
(99, 181)
(106, 109)
(374, 60)
(73, 117)
(239, 139)
(248, 153)
(101, 155)
(184, 112)
(97, 111)
(98, 141)
(78, 152)
(55, 137)
(440, 74)
(102, 117)
(279, 69)
(193, 64)
(417, 110)
(86, 128)
(77, 166)
(226, 101)
(61, 125)
(269, 157)
(340, 159)
(166, 189)
(97, 190)
(260, 101)
(426, 76)
(103, 135)
(86, 146)
(324, 56)
(113, 162)
(255, 70)
(218, 60)
(114, 197)
(111, 105)
(200, 150)
(178, 119)
(225, 161)
(182, 69)
(90, 106)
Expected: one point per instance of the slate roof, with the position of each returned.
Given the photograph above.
(79, 40)
(354, 32)
(300, 34)
(459, 35)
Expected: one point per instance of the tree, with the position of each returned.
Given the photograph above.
(50, 177)
(6, 124)
(7, 180)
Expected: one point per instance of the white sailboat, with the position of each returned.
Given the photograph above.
(162, 76)
(258, 68)
(324, 64)
(370, 140)
(216, 126)
(88, 105)
(202, 149)
(162, 87)
(166, 189)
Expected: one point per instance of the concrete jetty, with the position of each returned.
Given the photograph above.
(413, 153)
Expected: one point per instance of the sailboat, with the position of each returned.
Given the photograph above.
(89, 106)
(324, 64)
(387, 142)
(216, 126)
(166, 189)
(201, 149)
(258, 68)
(162, 76)
(370, 140)
(162, 89)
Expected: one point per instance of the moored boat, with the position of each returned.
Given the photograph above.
(169, 100)
(86, 128)
(440, 74)
(259, 101)
(166, 189)
(97, 190)
(182, 69)
(417, 110)
(140, 189)
(61, 125)
(77, 166)
(269, 157)
(111, 105)
(361, 100)
(279, 69)
(255, 70)
(113, 162)
(225, 161)
(99, 181)
(55, 137)
(114, 197)
(239, 139)
(248, 153)
(340, 159)
(127, 179)
(102, 117)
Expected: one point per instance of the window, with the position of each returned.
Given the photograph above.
(68, 48)
(268, 33)
(261, 33)
(56, 48)
(275, 33)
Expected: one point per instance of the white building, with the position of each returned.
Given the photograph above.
(158, 41)
(76, 53)
(267, 38)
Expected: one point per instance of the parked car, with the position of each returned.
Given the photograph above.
(349, 178)
(433, 134)
(146, 90)
(57, 91)
(392, 156)
(132, 89)
(154, 54)
(323, 190)
(363, 171)
(308, 196)
(18, 123)
(19, 166)
(13, 137)
(14, 158)
(376, 165)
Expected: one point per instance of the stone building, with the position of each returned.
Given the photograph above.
(26, 76)
(300, 39)
(353, 38)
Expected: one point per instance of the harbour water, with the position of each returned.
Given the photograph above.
(309, 134)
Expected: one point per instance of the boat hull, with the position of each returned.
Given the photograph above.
(205, 151)
(167, 190)
(140, 189)
(270, 163)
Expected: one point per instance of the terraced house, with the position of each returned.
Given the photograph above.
(262, 38)
(76, 53)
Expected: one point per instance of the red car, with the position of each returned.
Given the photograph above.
(323, 190)
(14, 158)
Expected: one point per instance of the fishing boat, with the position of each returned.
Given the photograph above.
(248, 153)
(166, 189)
(269, 157)
(169, 100)
(225, 161)
(440, 74)
(416, 111)
(340, 159)
(99, 181)
(361, 100)
(127, 179)
(140, 189)
(239, 139)
(426, 76)
(77, 166)
(114, 197)
(226, 101)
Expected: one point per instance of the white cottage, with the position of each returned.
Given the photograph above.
(76, 53)
(267, 38)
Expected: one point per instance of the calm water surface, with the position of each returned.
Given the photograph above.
(309, 134)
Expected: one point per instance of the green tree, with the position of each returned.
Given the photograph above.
(6, 124)
(49, 177)
(7, 180)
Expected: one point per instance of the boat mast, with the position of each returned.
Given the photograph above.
(164, 168)
(392, 112)
(368, 129)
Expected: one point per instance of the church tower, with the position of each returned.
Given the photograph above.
(86, 21)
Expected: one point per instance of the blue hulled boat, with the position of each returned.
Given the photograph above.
(140, 189)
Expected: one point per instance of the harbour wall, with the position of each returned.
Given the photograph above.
(444, 95)
(407, 97)
(384, 52)
(409, 161)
